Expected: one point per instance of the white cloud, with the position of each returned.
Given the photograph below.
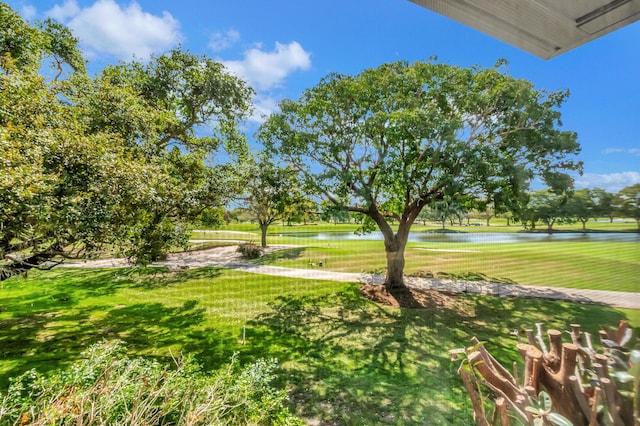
(28, 12)
(268, 70)
(124, 32)
(263, 107)
(612, 182)
(223, 40)
(632, 151)
(65, 11)
(612, 150)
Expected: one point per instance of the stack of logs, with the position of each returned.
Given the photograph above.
(558, 370)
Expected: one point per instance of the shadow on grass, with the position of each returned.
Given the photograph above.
(346, 360)
(467, 276)
(355, 362)
(286, 254)
(350, 361)
(49, 327)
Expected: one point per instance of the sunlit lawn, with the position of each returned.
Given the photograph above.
(345, 360)
(592, 265)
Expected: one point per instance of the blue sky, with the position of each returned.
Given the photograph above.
(284, 46)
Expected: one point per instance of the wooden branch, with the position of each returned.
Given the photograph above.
(539, 338)
(593, 418)
(622, 329)
(576, 334)
(555, 342)
(530, 337)
(494, 363)
(601, 366)
(532, 362)
(568, 365)
(492, 376)
(478, 410)
(574, 381)
(501, 410)
(558, 371)
(609, 396)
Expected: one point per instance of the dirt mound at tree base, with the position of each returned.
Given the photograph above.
(410, 298)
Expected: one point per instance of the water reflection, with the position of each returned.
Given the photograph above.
(478, 237)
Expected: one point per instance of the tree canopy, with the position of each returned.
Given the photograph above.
(271, 192)
(119, 160)
(627, 203)
(391, 140)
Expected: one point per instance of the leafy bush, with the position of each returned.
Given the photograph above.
(109, 388)
(250, 250)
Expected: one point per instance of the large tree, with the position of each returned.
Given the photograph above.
(582, 206)
(548, 207)
(604, 203)
(119, 160)
(179, 110)
(627, 203)
(392, 140)
(272, 193)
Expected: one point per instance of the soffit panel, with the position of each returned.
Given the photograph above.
(545, 28)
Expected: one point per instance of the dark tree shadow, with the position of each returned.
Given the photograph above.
(393, 353)
(351, 361)
(285, 254)
(50, 328)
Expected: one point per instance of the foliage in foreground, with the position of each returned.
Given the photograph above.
(109, 388)
(567, 384)
(74, 149)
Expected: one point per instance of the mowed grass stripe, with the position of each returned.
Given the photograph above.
(591, 265)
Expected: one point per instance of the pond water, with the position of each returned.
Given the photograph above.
(477, 237)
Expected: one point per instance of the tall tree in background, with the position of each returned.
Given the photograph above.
(549, 208)
(272, 193)
(627, 203)
(604, 203)
(116, 160)
(582, 206)
(392, 140)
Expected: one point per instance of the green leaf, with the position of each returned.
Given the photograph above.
(534, 410)
(559, 420)
(634, 360)
(545, 401)
(623, 376)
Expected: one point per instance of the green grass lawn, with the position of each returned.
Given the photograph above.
(346, 360)
(593, 265)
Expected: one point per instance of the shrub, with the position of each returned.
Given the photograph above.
(561, 384)
(109, 388)
(250, 250)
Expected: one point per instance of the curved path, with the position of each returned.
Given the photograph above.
(227, 257)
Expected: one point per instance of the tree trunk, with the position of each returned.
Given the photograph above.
(394, 246)
(263, 232)
(395, 269)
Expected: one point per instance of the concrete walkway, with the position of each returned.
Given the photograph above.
(227, 258)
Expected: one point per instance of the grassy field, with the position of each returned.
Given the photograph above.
(345, 359)
(575, 264)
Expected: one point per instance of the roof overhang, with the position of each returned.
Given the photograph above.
(545, 28)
